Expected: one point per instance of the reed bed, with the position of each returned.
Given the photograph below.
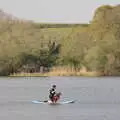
(60, 71)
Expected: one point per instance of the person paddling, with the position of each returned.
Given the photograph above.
(52, 92)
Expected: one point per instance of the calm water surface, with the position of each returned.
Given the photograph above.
(96, 98)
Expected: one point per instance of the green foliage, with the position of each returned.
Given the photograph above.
(95, 59)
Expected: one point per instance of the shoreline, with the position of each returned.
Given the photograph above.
(88, 74)
(64, 71)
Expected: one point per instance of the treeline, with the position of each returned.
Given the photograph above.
(30, 62)
(33, 47)
(59, 25)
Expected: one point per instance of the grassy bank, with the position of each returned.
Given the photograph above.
(72, 72)
(28, 75)
(59, 71)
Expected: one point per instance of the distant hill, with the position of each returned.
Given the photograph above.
(6, 16)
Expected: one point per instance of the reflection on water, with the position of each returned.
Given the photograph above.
(96, 98)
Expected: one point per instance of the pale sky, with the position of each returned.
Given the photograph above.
(59, 11)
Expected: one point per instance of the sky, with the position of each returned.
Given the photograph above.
(55, 11)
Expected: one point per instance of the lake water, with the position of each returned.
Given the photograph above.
(96, 98)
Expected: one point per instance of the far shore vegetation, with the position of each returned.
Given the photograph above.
(34, 49)
(59, 71)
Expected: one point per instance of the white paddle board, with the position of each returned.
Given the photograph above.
(49, 102)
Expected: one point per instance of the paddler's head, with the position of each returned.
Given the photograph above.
(54, 86)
